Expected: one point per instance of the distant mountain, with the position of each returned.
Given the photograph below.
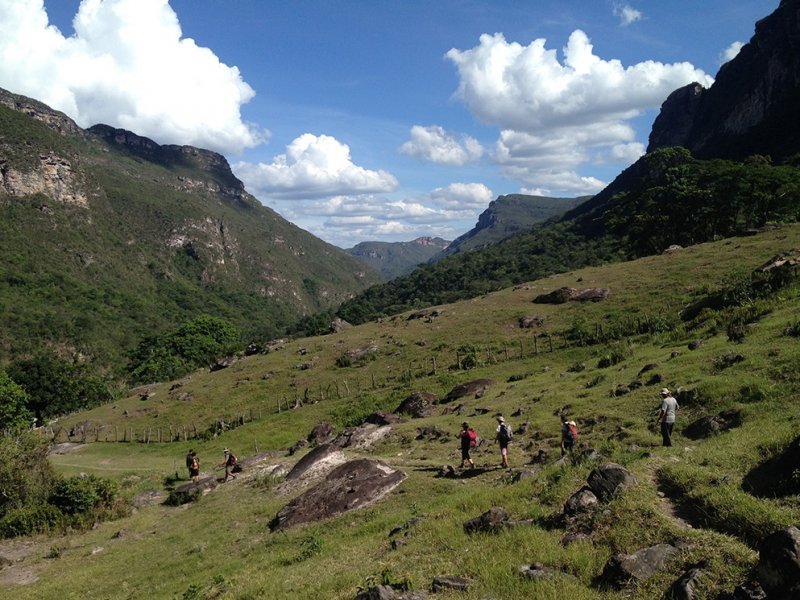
(392, 259)
(752, 107)
(509, 215)
(107, 237)
(668, 197)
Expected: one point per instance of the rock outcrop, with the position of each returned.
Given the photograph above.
(350, 486)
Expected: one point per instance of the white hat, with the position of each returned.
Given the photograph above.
(665, 392)
(501, 419)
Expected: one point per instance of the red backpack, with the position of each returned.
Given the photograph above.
(473, 437)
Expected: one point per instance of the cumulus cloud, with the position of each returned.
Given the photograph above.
(461, 196)
(127, 66)
(626, 13)
(435, 144)
(312, 167)
(554, 115)
(730, 52)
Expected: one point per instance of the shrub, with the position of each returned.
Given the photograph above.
(26, 475)
(38, 518)
(13, 400)
(83, 495)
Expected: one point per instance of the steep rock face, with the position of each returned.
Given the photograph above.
(53, 176)
(752, 106)
(224, 181)
(54, 119)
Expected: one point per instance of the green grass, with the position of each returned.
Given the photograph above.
(221, 546)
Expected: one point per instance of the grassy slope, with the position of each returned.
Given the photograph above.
(222, 543)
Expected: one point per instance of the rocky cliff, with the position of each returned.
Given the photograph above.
(752, 107)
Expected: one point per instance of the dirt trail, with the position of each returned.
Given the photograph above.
(668, 505)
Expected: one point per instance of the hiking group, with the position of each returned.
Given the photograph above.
(231, 464)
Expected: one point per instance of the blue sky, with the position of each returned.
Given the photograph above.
(374, 119)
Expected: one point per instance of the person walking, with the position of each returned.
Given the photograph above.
(569, 435)
(189, 462)
(503, 437)
(666, 416)
(229, 463)
(468, 441)
(194, 469)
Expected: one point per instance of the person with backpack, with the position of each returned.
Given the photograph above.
(189, 462)
(230, 463)
(569, 435)
(503, 437)
(194, 468)
(469, 439)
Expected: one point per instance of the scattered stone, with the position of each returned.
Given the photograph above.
(493, 520)
(321, 433)
(357, 353)
(610, 480)
(432, 432)
(778, 568)
(418, 405)
(683, 588)
(592, 295)
(523, 474)
(350, 486)
(471, 388)
(708, 426)
(582, 501)
(190, 492)
(223, 363)
(655, 379)
(379, 592)
(540, 571)
(363, 436)
(443, 583)
(382, 418)
(559, 296)
(575, 536)
(647, 367)
(621, 390)
(531, 321)
(447, 471)
(298, 445)
(338, 325)
(624, 569)
(695, 344)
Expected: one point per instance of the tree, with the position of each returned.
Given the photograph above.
(14, 413)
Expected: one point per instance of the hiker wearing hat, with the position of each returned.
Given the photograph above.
(669, 406)
(503, 437)
(468, 440)
(229, 464)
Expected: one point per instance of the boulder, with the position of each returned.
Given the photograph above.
(362, 436)
(582, 501)
(432, 432)
(350, 486)
(559, 296)
(321, 433)
(592, 295)
(493, 520)
(319, 459)
(624, 569)
(379, 592)
(471, 388)
(610, 480)
(190, 492)
(707, 426)
(540, 571)
(338, 325)
(382, 418)
(778, 568)
(418, 405)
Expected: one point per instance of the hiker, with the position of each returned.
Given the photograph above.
(468, 440)
(503, 437)
(189, 462)
(229, 464)
(666, 416)
(194, 468)
(569, 435)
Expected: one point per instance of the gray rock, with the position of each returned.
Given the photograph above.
(582, 501)
(493, 520)
(379, 592)
(778, 568)
(318, 454)
(321, 433)
(624, 569)
(610, 480)
(418, 405)
(350, 486)
(540, 571)
(684, 587)
(474, 388)
(443, 583)
(708, 426)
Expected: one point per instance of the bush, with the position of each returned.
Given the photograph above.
(83, 495)
(26, 475)
(14, 413)
(38, 518)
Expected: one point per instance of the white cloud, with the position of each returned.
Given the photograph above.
(312, 167)
(435, 144)
(730, 52)
(556, 116)
(461, 196)
(126, 66)
(626, 13)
